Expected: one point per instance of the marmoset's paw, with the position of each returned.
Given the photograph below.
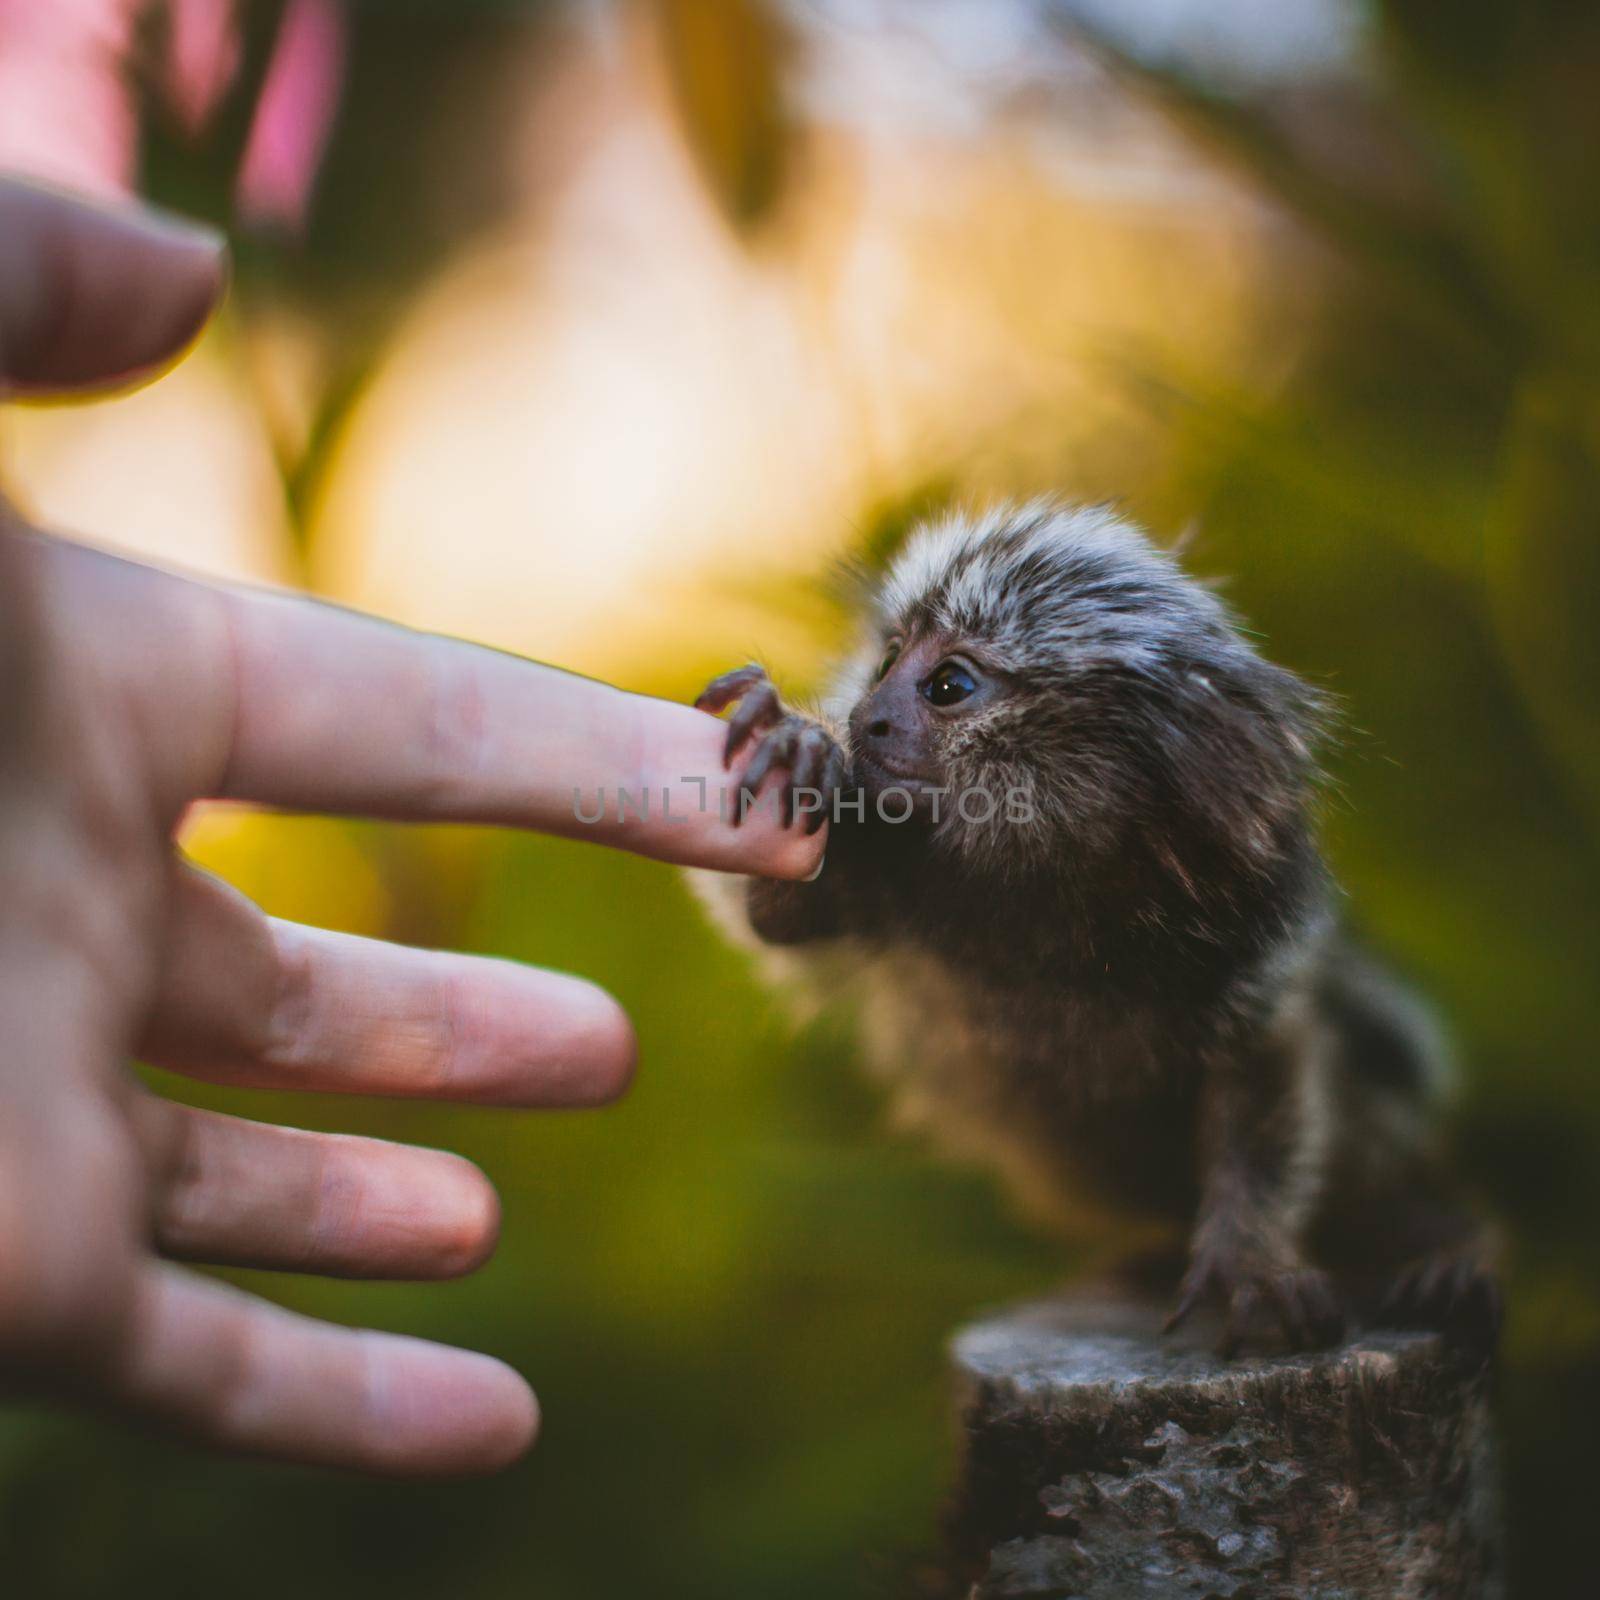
(803, 750)
(1455, 1292)
(1263, 1302)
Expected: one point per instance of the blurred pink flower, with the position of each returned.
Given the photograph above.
(65, 111)
(202, 57)
(293, 117)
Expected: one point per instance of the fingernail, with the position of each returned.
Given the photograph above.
(812, 876)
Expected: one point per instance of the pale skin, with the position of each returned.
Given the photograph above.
(126, 694)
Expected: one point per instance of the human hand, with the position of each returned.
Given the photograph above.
(125, 695)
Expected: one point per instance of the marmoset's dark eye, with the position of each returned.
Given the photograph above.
(949, 684)
(890, 656)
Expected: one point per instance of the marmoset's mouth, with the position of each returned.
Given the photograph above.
(878, 774)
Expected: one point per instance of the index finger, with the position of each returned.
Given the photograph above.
(340, 712)
(287, 701)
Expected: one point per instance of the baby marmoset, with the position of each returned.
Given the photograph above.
(1072, 873)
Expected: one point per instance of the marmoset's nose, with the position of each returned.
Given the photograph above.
(879, 728)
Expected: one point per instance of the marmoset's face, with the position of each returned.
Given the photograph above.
(928, 689)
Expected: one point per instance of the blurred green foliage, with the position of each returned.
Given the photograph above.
(1415, 519)
(731, 1291)
(429, 98)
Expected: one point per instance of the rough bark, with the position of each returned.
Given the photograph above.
(1102, 1460)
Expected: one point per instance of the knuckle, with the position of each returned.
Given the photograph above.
(455, 728)
(233, 1393)
(453, 1032)
(333, 1208)
(181, 1185)
(287, 1027)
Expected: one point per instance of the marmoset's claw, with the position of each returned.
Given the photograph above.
(1300, 1301)
(789, 742)
(721, 692)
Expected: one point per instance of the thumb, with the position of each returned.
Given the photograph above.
(94, 295)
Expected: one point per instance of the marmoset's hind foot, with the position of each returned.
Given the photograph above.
(1264, 1305)
(1452, 1291)
(804, 750)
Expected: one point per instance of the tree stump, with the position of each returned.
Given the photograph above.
(1102, 1460)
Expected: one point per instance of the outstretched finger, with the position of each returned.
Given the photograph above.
(236, 1372)
(338, 712)
(291, 702)
(249, 1194)
(247, 999)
